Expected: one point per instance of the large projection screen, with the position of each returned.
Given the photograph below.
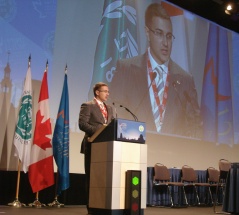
(90, 38)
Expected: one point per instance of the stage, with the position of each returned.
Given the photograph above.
(81, 210)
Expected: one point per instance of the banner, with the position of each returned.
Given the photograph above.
(117, 39)
(216, 101)
(235, 67)
(23, 132)
(41, 172)
(60, 140)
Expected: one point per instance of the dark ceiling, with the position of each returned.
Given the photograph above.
(213, 10)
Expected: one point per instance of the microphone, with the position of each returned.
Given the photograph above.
(135, 117)
(115, 110)
(154, 75)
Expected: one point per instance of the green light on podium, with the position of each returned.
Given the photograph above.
(135, 180)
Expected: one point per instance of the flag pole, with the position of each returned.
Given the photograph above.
(37, 203)
(56, 203)
(16, 203)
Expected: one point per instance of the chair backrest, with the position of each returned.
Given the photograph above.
(161, 172)
(224, 167)
(188, 174)
(213, 175)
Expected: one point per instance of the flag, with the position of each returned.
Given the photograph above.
(235, 68)
(23, 131)
(117, 39)
(60, 140)
(216, 100)
(41, 172)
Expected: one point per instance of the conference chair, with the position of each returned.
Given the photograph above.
(224, 167)
(162, 181)
(212, 178)
(191, 184)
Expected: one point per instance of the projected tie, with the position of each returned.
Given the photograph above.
(158, 108)
(160, 83)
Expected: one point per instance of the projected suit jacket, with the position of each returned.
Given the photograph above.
(91, 119)
(129, 88)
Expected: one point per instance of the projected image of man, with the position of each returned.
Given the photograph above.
(154, 87)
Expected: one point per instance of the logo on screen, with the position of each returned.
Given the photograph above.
(141, 128)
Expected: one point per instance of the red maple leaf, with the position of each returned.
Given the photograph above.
(42, 130)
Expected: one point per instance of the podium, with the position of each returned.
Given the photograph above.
(117, 149)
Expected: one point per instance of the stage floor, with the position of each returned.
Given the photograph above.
(81, 210)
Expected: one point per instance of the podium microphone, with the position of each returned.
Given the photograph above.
(135, 117)
(115, 110)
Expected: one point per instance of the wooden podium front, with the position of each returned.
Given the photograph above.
(109, 162)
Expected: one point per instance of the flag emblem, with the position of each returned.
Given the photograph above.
(24, 124)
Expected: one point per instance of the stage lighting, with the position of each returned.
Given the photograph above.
(231, 7)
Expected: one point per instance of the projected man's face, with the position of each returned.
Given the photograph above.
(160, 38)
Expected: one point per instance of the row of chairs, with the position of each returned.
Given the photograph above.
(216, 180)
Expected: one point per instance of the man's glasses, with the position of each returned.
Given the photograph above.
(104, 91)
(160, 34)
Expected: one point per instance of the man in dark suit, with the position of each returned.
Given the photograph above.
(93, 115)
(154, 87)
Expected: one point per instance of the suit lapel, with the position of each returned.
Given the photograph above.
(139, 80)
(97, 110)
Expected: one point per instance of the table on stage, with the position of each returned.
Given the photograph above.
(231, 198)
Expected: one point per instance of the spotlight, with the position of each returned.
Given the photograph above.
(230, 7)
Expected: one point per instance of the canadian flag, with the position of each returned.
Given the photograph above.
(41, 170)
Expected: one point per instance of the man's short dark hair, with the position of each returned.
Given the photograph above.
(98, 86)
(153, 10)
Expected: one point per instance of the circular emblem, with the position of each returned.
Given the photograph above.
(24, 124)
(141, 128)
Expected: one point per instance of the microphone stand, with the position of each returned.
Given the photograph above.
(115, 110)
(135, 117)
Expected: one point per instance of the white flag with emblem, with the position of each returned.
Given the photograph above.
(23, 132)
